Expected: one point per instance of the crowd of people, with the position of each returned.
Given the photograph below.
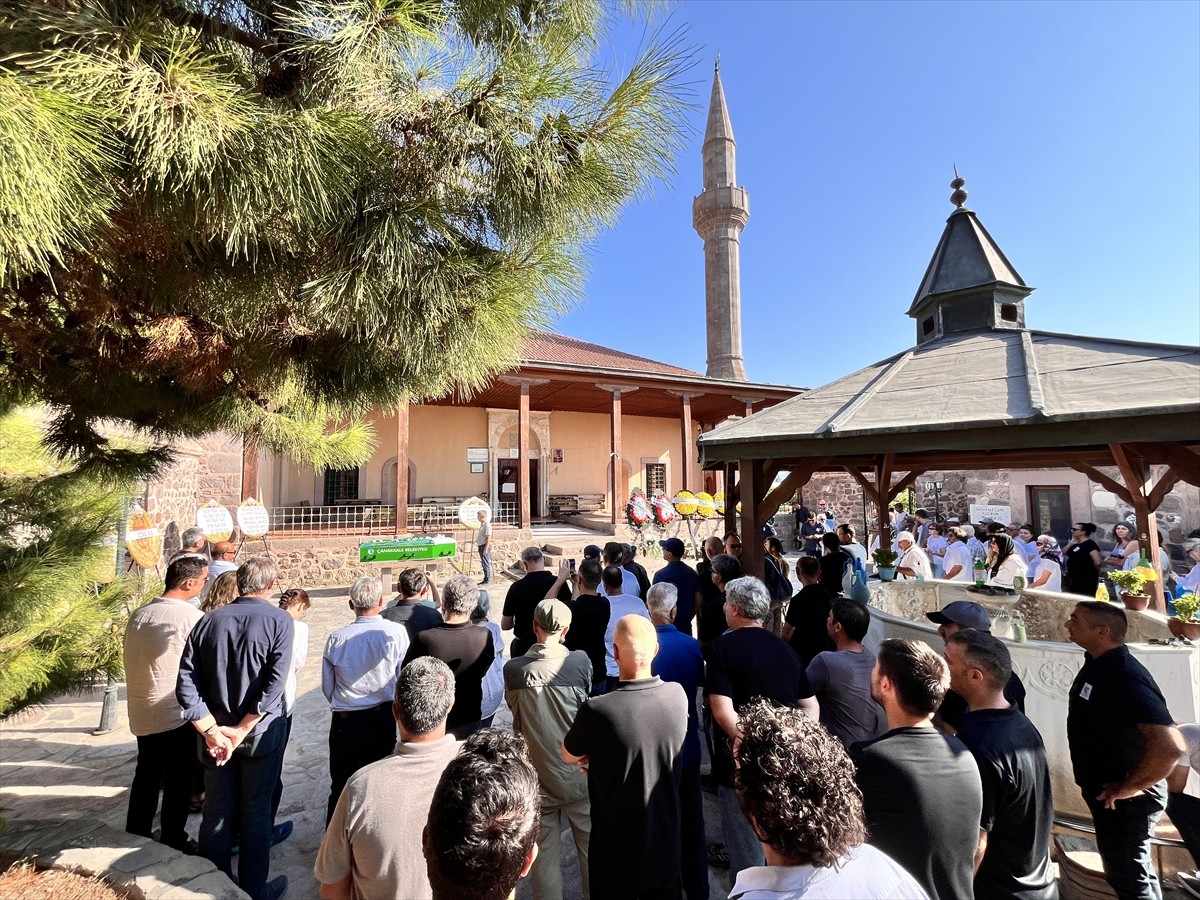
(838, 771)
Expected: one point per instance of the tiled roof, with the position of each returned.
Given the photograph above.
(558, 349)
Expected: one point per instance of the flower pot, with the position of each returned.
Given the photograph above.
(886, 573)
(1189, 630)
(1135, 601)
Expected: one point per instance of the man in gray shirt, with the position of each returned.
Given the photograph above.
(842, 678)
(544, 689)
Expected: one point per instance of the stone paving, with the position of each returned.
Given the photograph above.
(53, 769)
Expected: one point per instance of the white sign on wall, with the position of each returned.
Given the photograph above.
(477, 454)
(981, 512)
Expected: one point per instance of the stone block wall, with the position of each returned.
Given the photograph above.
(203, 470)
(332, 560)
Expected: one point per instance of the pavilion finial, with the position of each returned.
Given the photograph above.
(959, 197)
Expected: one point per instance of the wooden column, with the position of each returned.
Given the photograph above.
(748, 404)
(753, 488)
(524, 516)
(688, 443)
(250, 469)
(731, 495)
(402, 467)
(616, 493)
(1145, 497)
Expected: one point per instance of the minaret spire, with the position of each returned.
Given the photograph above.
(719, 214)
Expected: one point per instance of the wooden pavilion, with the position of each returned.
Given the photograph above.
(979, 390)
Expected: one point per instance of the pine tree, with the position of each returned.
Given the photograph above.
(268, 216)
(62, 614)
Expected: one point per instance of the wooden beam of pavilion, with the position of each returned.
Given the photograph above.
(1101, 479)
(796, 479)
(1184, 461)
(1135, 471)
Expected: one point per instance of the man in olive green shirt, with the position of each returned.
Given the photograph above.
(544, 689)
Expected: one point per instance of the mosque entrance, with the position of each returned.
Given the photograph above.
(507, 474)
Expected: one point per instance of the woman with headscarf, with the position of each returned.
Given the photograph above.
(1045, 571)
(1004, 562)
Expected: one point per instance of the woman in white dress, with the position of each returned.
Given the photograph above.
(1045, 572)
(1004, 563)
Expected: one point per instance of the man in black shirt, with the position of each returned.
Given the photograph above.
(804, 625)
(231, 679)
(410, 608)
(1013, 859)
(950, 619)
(683, 576)
(523, 597)
(631, 742)
(921, 788)
(710, 620)
(1123, 745)
(590, 612)
(467, 649)
(636, 569)
(745, 662)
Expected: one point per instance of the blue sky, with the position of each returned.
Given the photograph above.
(1076, 125)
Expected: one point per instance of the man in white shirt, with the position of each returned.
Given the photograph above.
(372, 847)
(913, 561)
(358, 674)
(807, 812)
(958, 564)
(154, 642)
(621, 604)
(850, 544)
(613, 555)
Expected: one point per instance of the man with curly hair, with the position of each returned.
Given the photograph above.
(795, 784)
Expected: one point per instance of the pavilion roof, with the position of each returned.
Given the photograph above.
(989, 379)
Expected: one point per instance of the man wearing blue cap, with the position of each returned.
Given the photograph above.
(954, 617)
(685, 579)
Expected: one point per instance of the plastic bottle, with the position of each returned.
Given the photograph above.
(1102, 593)
(858, 589)
(980, 573)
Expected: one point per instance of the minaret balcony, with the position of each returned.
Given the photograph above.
(723, 205)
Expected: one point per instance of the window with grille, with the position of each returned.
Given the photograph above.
(340, 485)
(656, 478)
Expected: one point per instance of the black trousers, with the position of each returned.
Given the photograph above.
(165, 762)
(357, 738)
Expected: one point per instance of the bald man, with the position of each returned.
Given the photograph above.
(630, 743)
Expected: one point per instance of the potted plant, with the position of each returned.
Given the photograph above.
(1186, 621)
(885, 563)
(1132, 584)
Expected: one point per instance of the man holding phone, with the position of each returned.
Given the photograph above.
(523, 596)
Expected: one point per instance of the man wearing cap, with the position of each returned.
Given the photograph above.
(950, 619)
(614, 555)
(913, 561)
(685, 579)
(544, 689)
(591, 551)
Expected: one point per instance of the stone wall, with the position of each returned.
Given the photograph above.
(203, 470)
(332, 561)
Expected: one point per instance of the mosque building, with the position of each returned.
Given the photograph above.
(576, 427)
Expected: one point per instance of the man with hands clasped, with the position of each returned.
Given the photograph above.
(231, 679)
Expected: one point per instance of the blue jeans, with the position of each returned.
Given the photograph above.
(485, 560)
(741, 843)
(243, 789)
(1184, 811)
(1123, 840)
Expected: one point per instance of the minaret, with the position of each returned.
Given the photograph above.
(719, 214)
